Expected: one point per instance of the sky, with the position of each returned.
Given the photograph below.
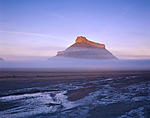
(38, 29)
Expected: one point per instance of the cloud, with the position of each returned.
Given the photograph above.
(33, 34)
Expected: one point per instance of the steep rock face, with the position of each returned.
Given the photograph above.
(83, 48)
(82, 40)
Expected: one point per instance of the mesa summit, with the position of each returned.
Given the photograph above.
(86, 49)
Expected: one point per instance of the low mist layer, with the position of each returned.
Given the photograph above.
(71, 63)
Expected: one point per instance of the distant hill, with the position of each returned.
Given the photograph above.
(83, 48)
(1, 59)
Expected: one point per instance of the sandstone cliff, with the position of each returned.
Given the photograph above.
(83, 48)
(82, 39)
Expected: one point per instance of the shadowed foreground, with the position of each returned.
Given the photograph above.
(75, 94)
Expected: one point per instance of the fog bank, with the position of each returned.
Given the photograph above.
(71, 63)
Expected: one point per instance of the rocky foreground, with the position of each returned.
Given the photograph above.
(86, 94)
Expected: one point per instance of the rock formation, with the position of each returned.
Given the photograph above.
(83, 48)
(82, 39)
